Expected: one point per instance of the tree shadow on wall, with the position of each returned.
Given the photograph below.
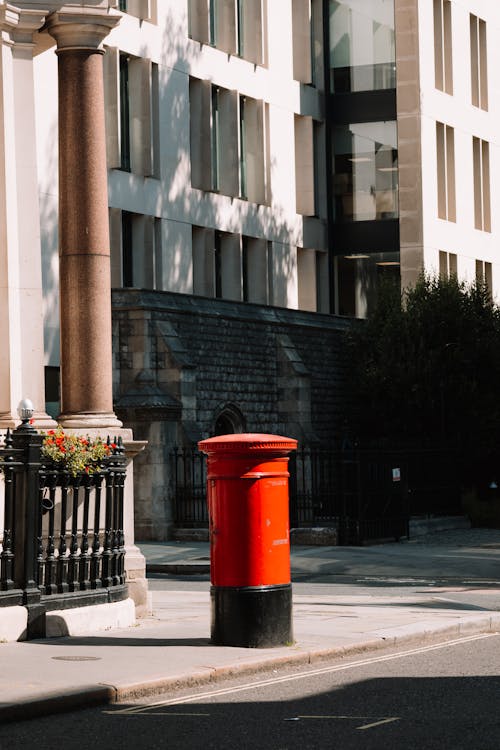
(172, 197)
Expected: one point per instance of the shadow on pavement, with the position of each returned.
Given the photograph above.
(375, 713)
(121, 641)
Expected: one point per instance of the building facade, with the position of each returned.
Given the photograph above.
(267, 163)
(215, 134)
(413, 119)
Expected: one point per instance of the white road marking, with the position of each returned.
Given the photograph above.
(168, 713)
(351, 718)
(378, 723)
(299, 675)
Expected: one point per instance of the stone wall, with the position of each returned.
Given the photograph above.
(186, 366)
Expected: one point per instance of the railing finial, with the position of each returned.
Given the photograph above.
(25, 410)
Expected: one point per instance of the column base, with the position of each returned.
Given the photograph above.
(90, 420)
(135, 569)
(41, 421)
(8, 421)
(252, 616)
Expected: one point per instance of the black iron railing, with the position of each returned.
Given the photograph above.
(373, 493)
(63, 538)
(366, 494)
(189, 473)
(313, 487)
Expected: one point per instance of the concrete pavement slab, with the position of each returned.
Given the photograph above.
(459, 554)
(172, 648)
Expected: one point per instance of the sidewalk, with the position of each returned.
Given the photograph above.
(172, 649)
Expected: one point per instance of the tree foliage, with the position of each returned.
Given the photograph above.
(426, 368)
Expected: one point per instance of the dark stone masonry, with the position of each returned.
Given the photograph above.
(186, 368)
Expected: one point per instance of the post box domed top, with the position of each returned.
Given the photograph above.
(249, 442)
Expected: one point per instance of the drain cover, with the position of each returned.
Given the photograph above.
(77, 658)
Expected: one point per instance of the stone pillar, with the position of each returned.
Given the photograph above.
(84, 254)
(84, 247)
(409, 116)
(21, 309)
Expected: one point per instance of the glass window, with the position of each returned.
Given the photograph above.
(254, 261)
(479, 65)
(218, 264)
(213, 22)
(52, 391)
(362, 45)
(447, 264)
(250, 31)
(141, 251)
(358, 277)
(443, 60)
(252, 150)
(445, 152)
(243, 150)
(481, 160)
(240, 28)
(136, 94)
(365, 171)
(215, 139)
(124, 113)
(146, 10)
(484, 275)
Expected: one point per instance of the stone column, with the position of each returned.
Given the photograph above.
(21, 309)
(84, 247)
(84, 253)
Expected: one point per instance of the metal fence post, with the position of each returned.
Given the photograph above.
(27, 513)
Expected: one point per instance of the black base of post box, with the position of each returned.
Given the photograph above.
(252, 616)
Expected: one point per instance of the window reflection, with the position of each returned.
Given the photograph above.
(362, 46)
(359, 276)
(365, 171)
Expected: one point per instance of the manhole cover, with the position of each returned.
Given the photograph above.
(77, 658)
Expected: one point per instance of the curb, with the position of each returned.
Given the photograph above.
(437, 635)
(104, 694)
(56, 703)
(180, 568)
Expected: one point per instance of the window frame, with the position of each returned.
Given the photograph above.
(482, 187)
(478, 62)
(445, 168)
(443, 46)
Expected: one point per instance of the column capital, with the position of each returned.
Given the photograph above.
(19, 24)
(81, 28)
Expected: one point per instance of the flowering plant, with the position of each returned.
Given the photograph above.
(74, 453)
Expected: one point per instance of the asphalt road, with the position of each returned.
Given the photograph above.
(441, 696)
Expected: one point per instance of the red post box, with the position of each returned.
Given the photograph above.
(251, 591)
